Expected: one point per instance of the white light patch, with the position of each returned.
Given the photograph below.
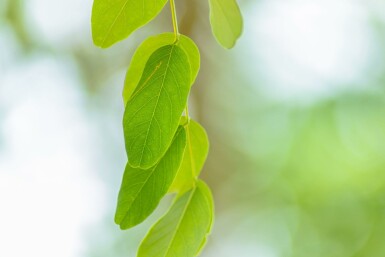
(9, 47)
(309, 49)
(59, 21)
(49, 193)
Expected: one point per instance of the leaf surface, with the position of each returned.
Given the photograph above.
(184, 228)
(226, 21)
(194, 157)
(147, 48)
(142, 190)
(114, 20)
(153, 112)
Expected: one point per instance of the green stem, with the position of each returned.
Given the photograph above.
(174, 20)
(186, 112)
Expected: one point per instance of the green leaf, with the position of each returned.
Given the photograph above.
(147, 48)
(183, 230)
(142, 190)
(193, 159)
(226, 21)
(114, 20)
(153, 112)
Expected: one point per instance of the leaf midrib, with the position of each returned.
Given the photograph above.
(145, 182)
(180, 220)
(156, 104)
(226, 18)
(139, 191)
(114, 22)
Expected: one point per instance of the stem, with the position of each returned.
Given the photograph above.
(174, 20)
(187, 115)
(176, 32)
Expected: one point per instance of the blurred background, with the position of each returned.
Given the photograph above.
(295, 114)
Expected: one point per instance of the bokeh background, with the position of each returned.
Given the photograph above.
(295, 114)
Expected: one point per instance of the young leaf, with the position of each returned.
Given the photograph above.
(194, 157)
(147, 48)
(153, 112)
(114, 20)
(226, 21)
(183, 230)
(142, 190)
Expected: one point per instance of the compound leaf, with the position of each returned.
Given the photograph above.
(141, 190)
(153, 112)
(114, 20)
(147, 48)
(226, 21)
(194, 157)
(184, 228)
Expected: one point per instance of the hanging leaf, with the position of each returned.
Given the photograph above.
(153, 112)
(114, 20)
(142, 190)
(147, 48)
(226, 21)
(184, 228)
(193, 159)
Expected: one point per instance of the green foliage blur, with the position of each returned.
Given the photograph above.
(291, 177)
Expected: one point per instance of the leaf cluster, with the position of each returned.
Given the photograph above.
(166, 150)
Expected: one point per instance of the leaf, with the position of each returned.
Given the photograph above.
(193, 159)
(142, 190)
(226, 21)
(183, 230)
(147, 48)
(152, 114)
(114, 20)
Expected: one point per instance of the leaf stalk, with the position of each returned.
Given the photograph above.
(174, 20)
